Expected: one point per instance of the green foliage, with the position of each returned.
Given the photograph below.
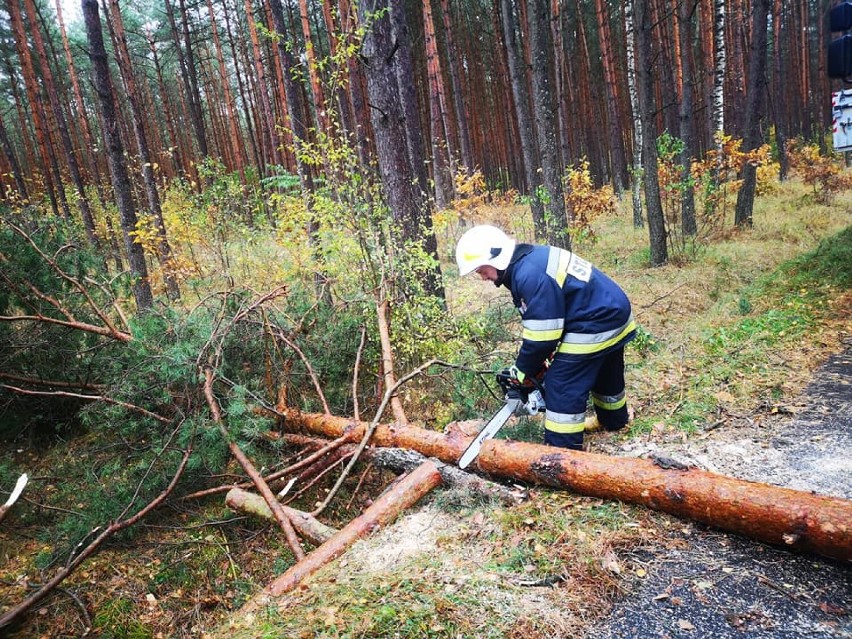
(116, 620)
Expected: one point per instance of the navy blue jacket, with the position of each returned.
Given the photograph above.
(566, 305)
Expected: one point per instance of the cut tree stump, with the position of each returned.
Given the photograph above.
(781, 516)
(307, 526)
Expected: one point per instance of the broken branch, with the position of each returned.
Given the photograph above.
(251, 471)
(309, 527)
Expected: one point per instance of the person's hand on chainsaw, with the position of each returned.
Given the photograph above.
(516, 377)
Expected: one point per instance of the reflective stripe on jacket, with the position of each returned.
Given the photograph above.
(566, 305)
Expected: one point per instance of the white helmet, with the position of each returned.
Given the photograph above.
(481, 245)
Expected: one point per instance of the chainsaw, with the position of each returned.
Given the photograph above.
(519, 399)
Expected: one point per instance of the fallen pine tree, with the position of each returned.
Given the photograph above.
(779, 516)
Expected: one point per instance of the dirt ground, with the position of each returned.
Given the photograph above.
(723, 586)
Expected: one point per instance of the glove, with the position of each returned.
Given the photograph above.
(516, 374)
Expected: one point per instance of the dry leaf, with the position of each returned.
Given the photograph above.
(610, 563)
(683, 624)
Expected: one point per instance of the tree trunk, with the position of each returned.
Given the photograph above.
(754, 109)
(458, 95)
(778, 98)
(405, 79)
(686, 8)
(556, 230)
(313, 72)
(268, 127)
(115, 156)
(61, 124)
(645, 64)
(720, 64)
(616, 144)
(403, 494)
(38, 116)
(788, 518)
(137, 114)
(88, 138)
(387, 115)
(439, 131)
(526, 131)
(636, 173)
(190, 78)
(235, 137)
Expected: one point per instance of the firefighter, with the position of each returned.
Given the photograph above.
(569, 310)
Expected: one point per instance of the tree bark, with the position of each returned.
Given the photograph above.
(526, 130)
(789, 518)
(408, 208)
(636, 173)
(686, 8)
(191, 77)
(556, 229)
(115, 155)
(403, 494)
(458, 96)
(645, 64)
(754, 110)
(305, 524)
(616, 144)
(438, 124)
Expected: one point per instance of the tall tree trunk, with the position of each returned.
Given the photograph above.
(299, 132)
(458, 95)
(115, 155)
(80, 106)
(403, 66)
(778, 98)
(616, 143)
(525, 120)
(398, 177)
(636, 173)
(754, 109)
(48, 162)
(686, 9)
(437, 106)
(355, 81)
(269, 129)
(556, 230)
(645, 64)
(187, 54)
(313, 71)
(720, 65)
(61, 124)
(137, 114)
(176, 150)
(235, 137)
(239, 56)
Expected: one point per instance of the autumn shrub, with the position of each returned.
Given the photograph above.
(822, 172)
(584, 202)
